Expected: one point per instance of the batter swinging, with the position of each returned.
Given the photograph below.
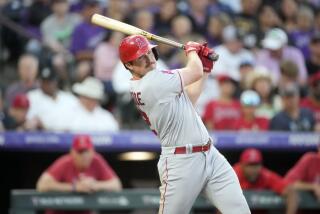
(189, 163)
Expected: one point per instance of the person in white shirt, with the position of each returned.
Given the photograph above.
(48, 104)
(232, 53)
(88, 115)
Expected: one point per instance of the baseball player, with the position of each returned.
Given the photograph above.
(189, 163)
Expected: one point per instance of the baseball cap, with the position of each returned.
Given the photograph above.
(20, 101)
(90, 87)
(81, 143)
(251, 156)
(224, 77)
(249, 98)
(48, 74)
(289, 90)
(275, 39)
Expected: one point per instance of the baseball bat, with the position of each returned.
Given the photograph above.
(122, 27)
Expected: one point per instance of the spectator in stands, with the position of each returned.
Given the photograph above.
(103, 69)
(260, 81)
(48, 103)
(275, 50)
(88, 114)
(245, 70)
(254, 176)
(82, 170)
(216, 24)
(288, 13)
(268, 19)
(292, 117)
(118, 9)
(144, 20)
(86, 36)
(198, 12)
(14, 117)
(250, 101)
(163, 18)
(83, 69)
(290, 75)
(232, 53)
(218, 6)
(305, 174)
(301, 36)
(57, 28)
(222, 113)
(247, 19)
(313, 63)
(312, 102)
(37, 12)
(28, 66)
(60, 65)
(181, 27)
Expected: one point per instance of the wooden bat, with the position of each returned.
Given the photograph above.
(122, 27)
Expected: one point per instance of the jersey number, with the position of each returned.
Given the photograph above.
(147, 120)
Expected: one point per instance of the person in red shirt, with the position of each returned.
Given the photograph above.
(82, 170)
(250, 100)
(305, 174)
(221, 114)
(253, 175)
(312, 102)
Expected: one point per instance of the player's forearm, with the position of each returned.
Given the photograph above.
(194, 90)
(194, 63)
(110, 185)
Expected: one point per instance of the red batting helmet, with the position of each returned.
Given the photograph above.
(133, 47)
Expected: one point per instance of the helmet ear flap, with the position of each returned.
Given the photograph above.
(155, 53)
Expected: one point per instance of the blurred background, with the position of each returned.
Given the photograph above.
(61, 75)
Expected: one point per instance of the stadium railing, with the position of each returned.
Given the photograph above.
(30, 201)
(146, 140)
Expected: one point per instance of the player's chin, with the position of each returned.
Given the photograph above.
(152, 66)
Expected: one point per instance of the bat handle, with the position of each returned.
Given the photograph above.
(214, 57)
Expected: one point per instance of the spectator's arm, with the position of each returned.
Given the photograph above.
(314, 187)
(300, 185)
(291, 198)
(47, 183)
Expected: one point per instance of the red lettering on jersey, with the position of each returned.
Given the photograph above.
(137, 98)
(167, 71)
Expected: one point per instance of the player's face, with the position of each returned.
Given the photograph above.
(143, 64)
(82, 159)
(251, 171)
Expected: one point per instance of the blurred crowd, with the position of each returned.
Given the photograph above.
(65, 73)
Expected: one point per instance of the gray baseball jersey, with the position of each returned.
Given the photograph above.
(167, 109)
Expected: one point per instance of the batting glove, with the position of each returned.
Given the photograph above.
(203, 55)
(192, 46)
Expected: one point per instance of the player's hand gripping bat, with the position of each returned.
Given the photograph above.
(122, 27)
